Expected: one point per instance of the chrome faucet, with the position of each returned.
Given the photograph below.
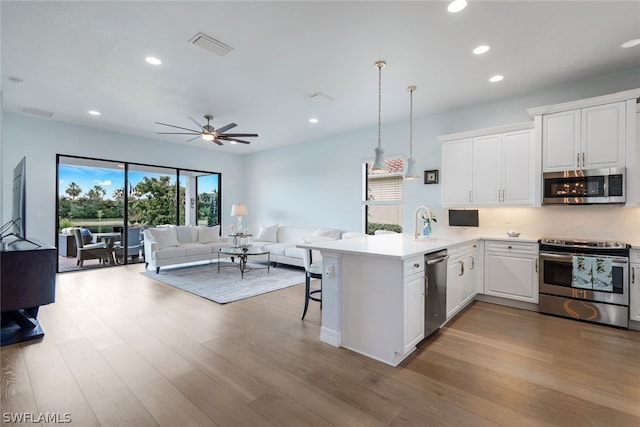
(419, 209)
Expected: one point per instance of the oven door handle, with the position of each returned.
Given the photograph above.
(556, 256)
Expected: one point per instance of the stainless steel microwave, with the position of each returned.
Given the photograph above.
(584, 187)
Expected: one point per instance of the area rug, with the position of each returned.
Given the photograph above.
(227, 286)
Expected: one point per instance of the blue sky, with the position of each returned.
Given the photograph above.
(113, 179)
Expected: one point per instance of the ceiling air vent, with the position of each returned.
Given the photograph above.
(36, 112)
(210, 44)
(320, 97)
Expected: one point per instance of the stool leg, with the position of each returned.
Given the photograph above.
(307, 289)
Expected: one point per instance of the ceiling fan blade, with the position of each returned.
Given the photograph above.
(217, 141)
(179, 133)
(245, 135)
(178, 127)
(223, 129)
(197, 124)
(195, 137)
(237, 140)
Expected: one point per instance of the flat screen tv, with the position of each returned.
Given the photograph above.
(463, 218)
(19, 213)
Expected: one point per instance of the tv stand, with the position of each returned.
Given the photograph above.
(28, 278)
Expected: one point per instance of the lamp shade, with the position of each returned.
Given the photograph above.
(239, 210)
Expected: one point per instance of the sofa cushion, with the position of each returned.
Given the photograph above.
(294, 252)
(268, 233)
(333, 233)
(169, 252)
(195, 249)
(164, 237)
(186, 234)
(208, 234)
(278, 248)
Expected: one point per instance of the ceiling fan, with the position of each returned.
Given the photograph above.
(208, 133)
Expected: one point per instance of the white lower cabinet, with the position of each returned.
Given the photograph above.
(461, 278)
(634, 287)
(511, 270)
(413, 290)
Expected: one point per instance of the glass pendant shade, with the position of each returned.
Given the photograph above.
(410, 172)
(378, 162)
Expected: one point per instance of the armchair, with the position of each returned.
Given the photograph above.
(133, 248)
(85, 251)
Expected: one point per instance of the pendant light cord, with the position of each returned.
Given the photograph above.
(379, 65)
(411, 122)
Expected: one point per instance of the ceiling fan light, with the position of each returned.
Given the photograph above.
(207, 137)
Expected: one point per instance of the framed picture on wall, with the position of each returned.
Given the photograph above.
(431, 177)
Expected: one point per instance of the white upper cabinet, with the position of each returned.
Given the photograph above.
(456, 172)
(491, 169)
(586, 138)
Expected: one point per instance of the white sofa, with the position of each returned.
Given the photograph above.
(174, 245)
(281, 241)
(180, 244)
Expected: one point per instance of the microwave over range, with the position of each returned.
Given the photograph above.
(584, 187)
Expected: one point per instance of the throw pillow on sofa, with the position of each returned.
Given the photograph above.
(268, 233)
(208, 234)
(164, 237)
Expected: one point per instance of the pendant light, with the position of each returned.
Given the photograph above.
(410, 172)
(378, 163)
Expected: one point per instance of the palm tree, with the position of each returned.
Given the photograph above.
(73, 190)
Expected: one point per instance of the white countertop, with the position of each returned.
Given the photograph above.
(400, 245)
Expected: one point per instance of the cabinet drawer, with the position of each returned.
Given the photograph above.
(508, 246)
(413, 265)
(634, 255)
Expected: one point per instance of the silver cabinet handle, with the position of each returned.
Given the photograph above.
(578, 159)
(499, 196)
(536, 265)
(473, 263)
(469, 196)
(461, 268)
(584, 163)
(426, 286)
(633, 275)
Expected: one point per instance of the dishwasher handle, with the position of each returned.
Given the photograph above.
(437, 260)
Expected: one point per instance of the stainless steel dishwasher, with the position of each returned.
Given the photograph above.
(435, 291)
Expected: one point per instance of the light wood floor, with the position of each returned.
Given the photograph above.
(123, 350)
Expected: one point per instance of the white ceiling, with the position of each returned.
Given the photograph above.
(75, 56)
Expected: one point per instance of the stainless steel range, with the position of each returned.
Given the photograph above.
(586, 280)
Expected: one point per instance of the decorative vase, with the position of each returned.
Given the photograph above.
(426, 229)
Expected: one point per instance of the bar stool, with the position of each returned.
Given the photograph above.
(313, 270)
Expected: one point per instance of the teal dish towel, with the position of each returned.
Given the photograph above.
(602, 275)
(582, 272)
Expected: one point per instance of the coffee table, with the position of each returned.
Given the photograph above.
(243, 253)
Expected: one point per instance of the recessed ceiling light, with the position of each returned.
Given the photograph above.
(457, 6)
(313, 120)
(94, 112)
(153, 60)
(496, 78)
(631, 43)
(481, 49)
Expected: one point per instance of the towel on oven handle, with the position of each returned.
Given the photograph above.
(602, 274)
(582, 274)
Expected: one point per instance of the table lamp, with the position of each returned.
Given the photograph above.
(239, 210)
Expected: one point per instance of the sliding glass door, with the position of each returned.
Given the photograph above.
(112, 202)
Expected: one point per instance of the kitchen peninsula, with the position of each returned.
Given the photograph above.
(373, 292)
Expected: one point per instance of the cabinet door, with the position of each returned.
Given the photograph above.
(456, 173)
(511, 276)
(634, 293)
(603, 136)
(518, 168)
(487, 170)
(560, 141)
(413, 311)
(455, 281)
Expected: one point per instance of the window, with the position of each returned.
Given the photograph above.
(108, 198)
(383, 197)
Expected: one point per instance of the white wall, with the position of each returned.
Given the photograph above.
(314, 183)
(41, 139)
(318, 183)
